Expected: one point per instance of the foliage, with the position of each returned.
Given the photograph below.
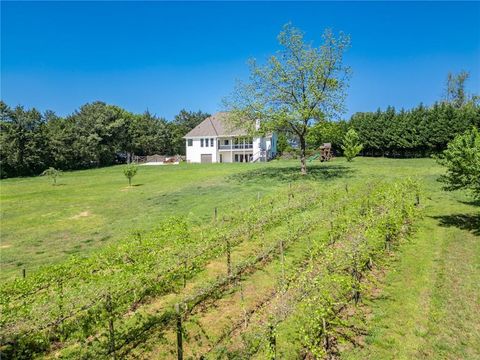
(52, 173)
(67, 301)
(282, 143)
(351, 147)
(455, 93)
(360, 235)
(298, 86)
(414, 133)
(327, 132)
(462, 160)
(22, 141)
(97, 134)
(130, 171)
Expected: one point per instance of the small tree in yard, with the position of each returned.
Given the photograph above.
(298, 87)
(462, 160)
(53, 174)
(130, 171)
(351, 147)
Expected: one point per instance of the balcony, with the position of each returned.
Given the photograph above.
(236, 147)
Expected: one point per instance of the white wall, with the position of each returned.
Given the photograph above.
(195, 151)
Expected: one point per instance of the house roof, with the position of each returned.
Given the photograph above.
(215, 125)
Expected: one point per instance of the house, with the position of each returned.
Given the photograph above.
(215, 140)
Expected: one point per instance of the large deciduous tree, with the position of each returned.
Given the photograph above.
(297, 87)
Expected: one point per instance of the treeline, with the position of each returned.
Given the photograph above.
(97, 134)
(418, 132)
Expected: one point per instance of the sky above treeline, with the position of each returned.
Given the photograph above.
(168, 56)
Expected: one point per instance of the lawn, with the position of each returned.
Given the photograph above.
(425, 306)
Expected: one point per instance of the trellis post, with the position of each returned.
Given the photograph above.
(179, 333)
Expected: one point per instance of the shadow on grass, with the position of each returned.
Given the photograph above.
(470, 222)
(292, 173)
(471, 202)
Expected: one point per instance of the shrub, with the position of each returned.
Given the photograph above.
(130, 171)
(351, 147)
(462, 160)
(52, 173)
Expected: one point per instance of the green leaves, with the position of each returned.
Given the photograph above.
(351, 147)
(130, 171)
(376, 214)
(52, 173)
(462, 160)
(298, 85)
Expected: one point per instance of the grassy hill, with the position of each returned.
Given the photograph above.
(421, 303)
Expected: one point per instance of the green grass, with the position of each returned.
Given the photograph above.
(429, 301)
(426, 306)
(42, 224)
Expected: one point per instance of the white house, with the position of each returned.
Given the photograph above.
(214, 140)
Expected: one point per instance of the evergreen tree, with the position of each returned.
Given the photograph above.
(351, 147)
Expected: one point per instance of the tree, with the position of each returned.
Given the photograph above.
(298, 86)
(455, 89)
(351, 147)
(130, 170)
(327, 132)
(100, 131)
(282, 143)
(462, 160)
(22, 141)
(53, 174)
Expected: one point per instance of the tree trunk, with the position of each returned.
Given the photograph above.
(302, 155)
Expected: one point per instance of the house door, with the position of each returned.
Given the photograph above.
(205, 158)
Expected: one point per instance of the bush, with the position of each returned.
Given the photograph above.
(52, 173)
(462, 160)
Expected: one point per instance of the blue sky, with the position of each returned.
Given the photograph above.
(168, 56)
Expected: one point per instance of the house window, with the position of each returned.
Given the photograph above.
(206, 142)
(226, 142)
(211, 142)
(201, 142)
(190, 142)
(236, 157)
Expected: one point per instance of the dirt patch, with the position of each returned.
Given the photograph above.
(81, 215)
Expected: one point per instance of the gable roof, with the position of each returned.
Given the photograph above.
(215, 125)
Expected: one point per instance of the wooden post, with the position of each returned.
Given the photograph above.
(417, 199)
(60, 302)
(24, 273)
(282, 258)
(229, 259)
(346, 188)
(272, 342)
(215, 214)
(111, 328)
(185, 274)
(179, 333)
(327, 342)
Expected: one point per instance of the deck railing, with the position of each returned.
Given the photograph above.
(236, 147)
